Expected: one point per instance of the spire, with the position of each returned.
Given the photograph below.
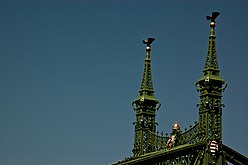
(146, 88)
(211, 86)
(145, 106)
(211, 69)
(146, 84)
(211, 60)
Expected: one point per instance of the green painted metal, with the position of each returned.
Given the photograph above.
(177, 155)
(234, 157)
(201, 144)
(211, 86)
(145, 106)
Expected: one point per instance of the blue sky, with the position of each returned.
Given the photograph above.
(69, 71)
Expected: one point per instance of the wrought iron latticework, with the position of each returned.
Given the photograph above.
(201, 144)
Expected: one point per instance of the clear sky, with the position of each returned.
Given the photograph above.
(69, 71)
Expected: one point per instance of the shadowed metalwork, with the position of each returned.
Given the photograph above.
(201, 143)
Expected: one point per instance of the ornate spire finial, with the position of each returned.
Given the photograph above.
(148, 43)
(145, 106)
(213, 17)
(210, 86)
(211, 59)
(146, 83)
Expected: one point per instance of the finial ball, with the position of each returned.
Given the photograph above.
(212, 24)
(176, 126)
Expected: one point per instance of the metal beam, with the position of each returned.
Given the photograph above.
(234, 157)
(163, 155)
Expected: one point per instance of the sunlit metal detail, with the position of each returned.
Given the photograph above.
(201, 143)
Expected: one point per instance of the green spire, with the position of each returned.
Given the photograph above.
(211, 60)
(146, 84)
(210, 86)
(146, 88)
(145, 106)
(211, 69)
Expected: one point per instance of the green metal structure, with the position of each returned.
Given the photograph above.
(199, 145)
(145, 106)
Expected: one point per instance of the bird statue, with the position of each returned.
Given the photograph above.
(148, 42)
(213, 17)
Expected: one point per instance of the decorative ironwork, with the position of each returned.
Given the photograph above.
(145, 106)
(201, 143)
(185, 154)
(158, 140)
(185, 159)
(211, 87)
(211, 59)
(146, 83)
(190, 136)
